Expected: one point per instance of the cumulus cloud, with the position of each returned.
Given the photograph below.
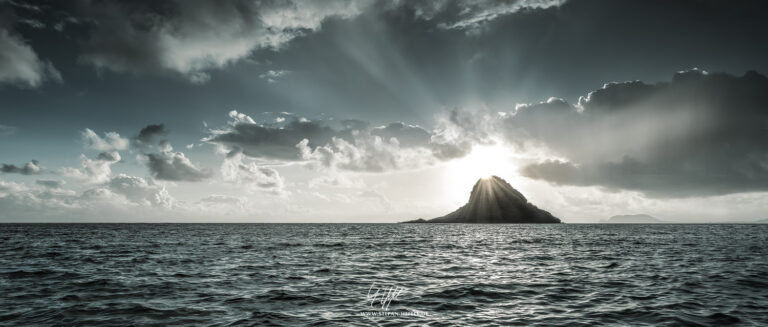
(111, 141)
(700, 134)
(166, 164)
(138, 190)
(93, 171)
(175, 166)
(29, 168)
(148, 135)
(20, 65)
(235, 169)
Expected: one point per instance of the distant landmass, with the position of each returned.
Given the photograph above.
(632, 219)
(494, 201)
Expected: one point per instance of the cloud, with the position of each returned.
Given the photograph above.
(406, 135)
(50, 183)
(700, 134)
(93, 171)
(138, 190)
(110, 142)
(11, 187)
(148, 134)
(368, 154)
(271, 76)
(29, 168)
(458, 131)
(336, 180)
(20, 65)
(192, 37)
(167, 164)
(121, 197)
(127, 191)
(277, 142)
(174, 166)
(346, 145)
(219, 199)
(235, 169)
(20, 203)
(473, 14)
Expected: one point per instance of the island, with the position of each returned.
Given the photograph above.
(632, 219)
(494, 201)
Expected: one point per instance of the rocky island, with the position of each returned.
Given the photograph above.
(494, 201)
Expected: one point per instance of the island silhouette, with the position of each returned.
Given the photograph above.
(494, 201)
(632, 219)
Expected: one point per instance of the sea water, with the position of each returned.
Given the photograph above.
(382, 274)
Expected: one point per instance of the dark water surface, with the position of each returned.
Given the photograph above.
(231, 274)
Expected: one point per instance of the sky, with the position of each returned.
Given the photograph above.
(380, 111)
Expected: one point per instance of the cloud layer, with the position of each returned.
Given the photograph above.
(192, 37)
(350, 145)
(700, 134)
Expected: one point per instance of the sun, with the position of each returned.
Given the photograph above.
(482, 163)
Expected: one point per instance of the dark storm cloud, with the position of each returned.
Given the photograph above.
(29, 168)
(148, 134)
(700, 134)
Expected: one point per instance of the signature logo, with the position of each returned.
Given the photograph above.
(382, 297)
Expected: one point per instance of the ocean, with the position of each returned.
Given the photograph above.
(382, 274)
